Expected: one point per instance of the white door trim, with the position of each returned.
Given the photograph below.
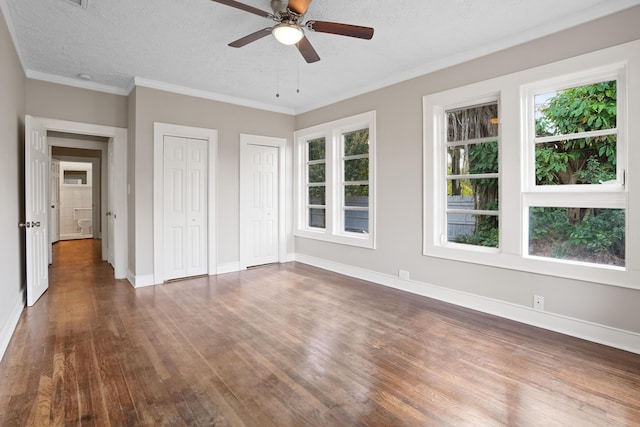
(117, 137)
(280, 144)
(211, 135)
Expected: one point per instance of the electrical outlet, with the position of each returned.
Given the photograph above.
(538, 302)
(403, 274)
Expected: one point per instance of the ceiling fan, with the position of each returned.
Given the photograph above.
(289, 26)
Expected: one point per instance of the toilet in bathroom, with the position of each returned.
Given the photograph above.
(85, 226)
(83, 219)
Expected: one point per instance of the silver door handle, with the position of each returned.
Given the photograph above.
(29, 224)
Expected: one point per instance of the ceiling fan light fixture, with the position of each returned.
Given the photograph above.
(287, 33)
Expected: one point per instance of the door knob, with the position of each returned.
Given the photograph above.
(29, 224)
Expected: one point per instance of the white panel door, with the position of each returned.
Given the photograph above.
(54, 200)
(36, 154)
(185, 207)
(261, 199)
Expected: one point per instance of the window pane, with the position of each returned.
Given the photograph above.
(579, 109)
(356, 221)
(317, 173)
(317, 195)
(356, 170)
(356, 142)
(473, 159)
(479, 230)
(472, 194)
(578, 234)
(480, 121)
(317, 218)
(577, 161)
(356, 195)
(316, 149)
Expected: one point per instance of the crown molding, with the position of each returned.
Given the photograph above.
(182, 90)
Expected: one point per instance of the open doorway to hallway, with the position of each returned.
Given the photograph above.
(77, 190)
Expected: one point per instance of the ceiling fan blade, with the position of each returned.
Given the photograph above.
(308, 52)
(299, 6)
(251, 37)
(340, 29)
(244, 7)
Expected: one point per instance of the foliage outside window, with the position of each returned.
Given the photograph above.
(356, 181)
(472, 181)
(335, 181)
(316, 187)
(576, 145)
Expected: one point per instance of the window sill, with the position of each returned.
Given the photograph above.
(367, 242)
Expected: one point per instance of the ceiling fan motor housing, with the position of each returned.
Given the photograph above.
(279, 5)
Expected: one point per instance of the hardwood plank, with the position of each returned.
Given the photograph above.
(292, 345)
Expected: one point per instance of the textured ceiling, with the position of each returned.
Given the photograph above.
(182, 44)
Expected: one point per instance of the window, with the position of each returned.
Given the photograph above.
(335, 194)
(316, 186)
(575, 189)
(528, 171)
(471, 180)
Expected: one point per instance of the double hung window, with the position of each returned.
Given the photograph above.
(335, 181)
(575, 195)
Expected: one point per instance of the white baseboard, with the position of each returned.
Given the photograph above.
(230, 267)
(601, 334)
(10, 323)
(140, 281)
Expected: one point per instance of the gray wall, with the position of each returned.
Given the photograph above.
(12, 84)
(55, 101)
(399, 180)
(230, 120)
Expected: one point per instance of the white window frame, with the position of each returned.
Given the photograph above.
(518, 191)
(334, 181)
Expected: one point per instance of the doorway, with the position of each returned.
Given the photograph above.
(78, 187)
(37, 159)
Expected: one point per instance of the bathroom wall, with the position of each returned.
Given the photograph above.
(74, 196)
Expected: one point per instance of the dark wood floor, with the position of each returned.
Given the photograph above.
(292, 345)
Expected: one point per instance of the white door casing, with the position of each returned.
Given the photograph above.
(54, 202)
(185, 207)
(262, 201)
(210, 136)
(110, 214)
(36, 154)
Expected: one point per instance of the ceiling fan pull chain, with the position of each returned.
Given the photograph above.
(278, 72)
(298, 76)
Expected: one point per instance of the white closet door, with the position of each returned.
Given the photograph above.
(261, 172)
(185, 207)
(196, 208)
